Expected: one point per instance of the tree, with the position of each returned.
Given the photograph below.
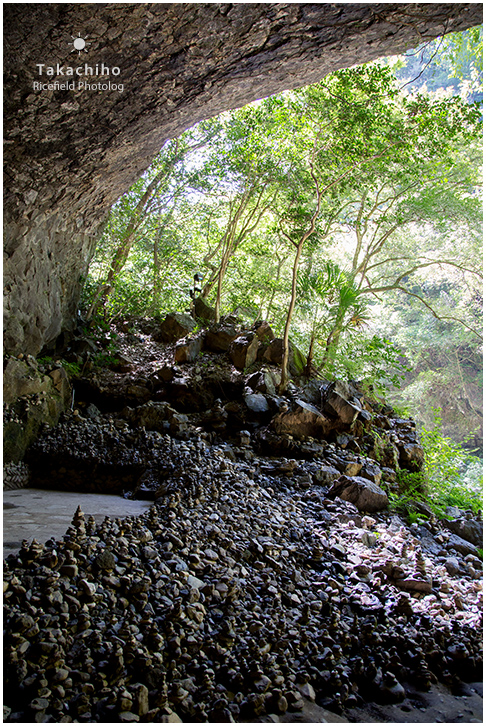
(399, 214)
(330, 305)
(165, 181)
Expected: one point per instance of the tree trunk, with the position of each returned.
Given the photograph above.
(310, 356)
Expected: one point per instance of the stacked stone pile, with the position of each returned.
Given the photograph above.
(269, 572)
(233, 599)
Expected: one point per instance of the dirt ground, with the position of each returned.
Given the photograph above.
(438, 705)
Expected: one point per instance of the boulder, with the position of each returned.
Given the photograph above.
(411, 456)
(302, 421)
(137, 393)
(263, 331)
(343, 409)
(256, 402)
(452, 566)
(371, 471)
(273, 353)
(203, 311)
(264, 381)
(326, 475)
(153, 416)
(350, 467)
(163, 375)
(314, 391)
(469, 529)
(365, 494)
(219, 338)
(189, 395)
(461, 545)
(175, 326)
(187, 351)
(178, 423)
(243, 350)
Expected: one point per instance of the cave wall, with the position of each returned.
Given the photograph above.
(70, 153)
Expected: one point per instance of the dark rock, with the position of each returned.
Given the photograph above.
(81, 346)
(203, 311)
(349, 467)
(365, 494)
(175, 326)
(264, 381)
(428, 542)
(469, 529)
(461, 545)
(92, 411)
(273, 353)
(326, 475)
(263, 331)
(136, 392)
(164, 374)
(338, 406)
(106, 560)
(371, 471)
(452, 566)
(152, 416)
(256, 402)
(411, 456)
(302, 421)
(412, 584)
(187, 351)
(122, 364)
(219, 338)
(191, 396)
(243, 350)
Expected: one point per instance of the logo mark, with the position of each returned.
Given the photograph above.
(79, 44)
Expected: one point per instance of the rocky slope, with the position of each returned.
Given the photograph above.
(268, 575)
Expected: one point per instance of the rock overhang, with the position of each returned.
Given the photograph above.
(70, 154)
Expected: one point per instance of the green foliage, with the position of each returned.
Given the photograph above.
(72, 369)
(411, 489)
(442, 482)
(375, 361)
(46, 360)
(388, 277)
(445, 467)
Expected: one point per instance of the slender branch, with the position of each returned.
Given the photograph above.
(436, 315)
(429, 262)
